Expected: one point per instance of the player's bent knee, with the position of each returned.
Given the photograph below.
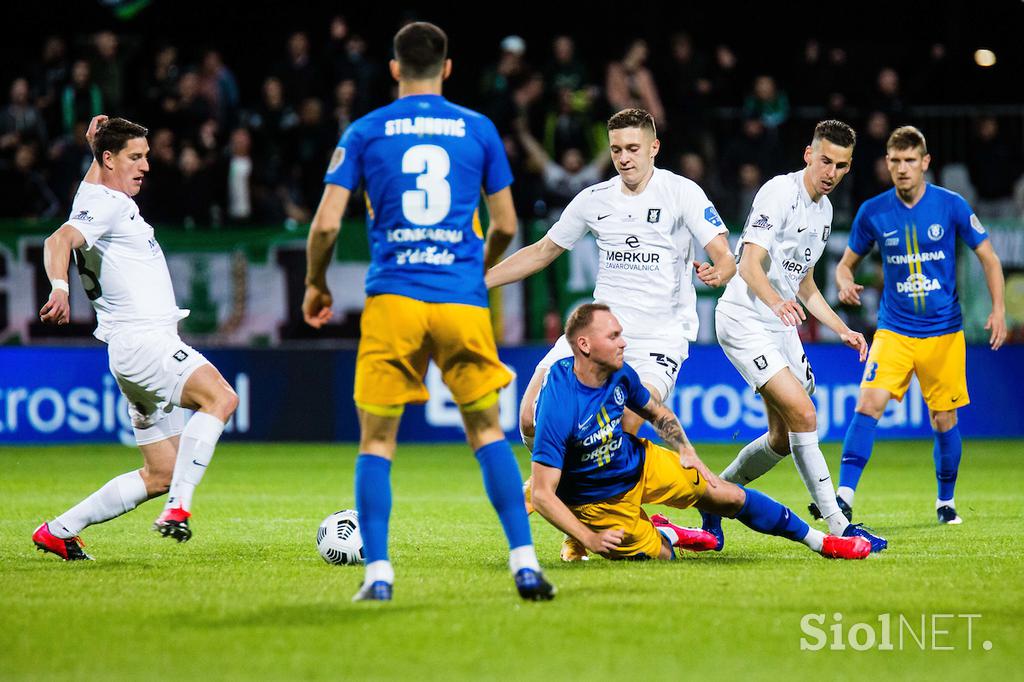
(943, 421)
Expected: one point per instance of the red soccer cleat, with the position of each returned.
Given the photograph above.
(68, 550)
(693, 539)
(173, 523)
(854, 547)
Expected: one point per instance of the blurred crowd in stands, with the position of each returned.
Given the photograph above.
(222, 155)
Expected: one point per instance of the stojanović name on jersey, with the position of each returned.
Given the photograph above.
(426, 125)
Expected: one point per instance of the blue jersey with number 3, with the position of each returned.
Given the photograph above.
(423, 161)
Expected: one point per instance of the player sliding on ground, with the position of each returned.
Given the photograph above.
(125, 276)
(757, 316)
(591, 478)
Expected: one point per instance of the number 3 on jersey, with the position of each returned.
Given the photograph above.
(430, 202)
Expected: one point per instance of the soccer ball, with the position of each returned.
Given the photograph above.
(338, 538)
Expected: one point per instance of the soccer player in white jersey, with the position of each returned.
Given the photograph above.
(125, 276)
(757, 317)
(646, 221)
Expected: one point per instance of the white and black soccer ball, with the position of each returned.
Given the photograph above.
(339, 540)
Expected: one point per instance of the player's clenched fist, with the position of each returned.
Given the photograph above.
(316, 306)
(57, 309)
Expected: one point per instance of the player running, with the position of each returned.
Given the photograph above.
(423, 161)
(757, 317)
(591, 478)
(920, 329)
(125, 276)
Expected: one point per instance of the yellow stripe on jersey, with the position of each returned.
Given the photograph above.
(369, 206)
(920, 272)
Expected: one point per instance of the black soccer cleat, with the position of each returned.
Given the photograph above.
(843, 507)
(947, 515)
(533, 587)
(173, 523)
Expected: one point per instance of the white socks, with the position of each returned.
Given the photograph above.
(814, 539)
(523, 557)
(810, 462)
(194, 454)
(379, 570)
(117, 496)
(845, 492)
(755, 459)
(943, 503)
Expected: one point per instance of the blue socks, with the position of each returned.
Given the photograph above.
(948, 448)
(373, 502)
(504, 486)
(857, 446)
(765, 515)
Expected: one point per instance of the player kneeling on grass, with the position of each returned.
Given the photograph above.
(125, 275)
(590, 478)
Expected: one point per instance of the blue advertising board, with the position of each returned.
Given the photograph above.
(66, 395)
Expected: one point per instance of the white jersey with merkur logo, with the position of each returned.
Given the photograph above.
(122, 266)
(794, 230)
(646, 250)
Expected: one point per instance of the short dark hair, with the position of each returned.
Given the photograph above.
(421, 49)
(907, 137)
(835, 132)
(580, 319)
(632, 118)
(113, 135)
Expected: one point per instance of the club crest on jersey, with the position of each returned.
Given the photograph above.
(180, 355)
(653, 215)
(763, 222)
(711, 215)
(619, 395)
(935, 232)
(760, 362)
(337, 158)
(825, 232)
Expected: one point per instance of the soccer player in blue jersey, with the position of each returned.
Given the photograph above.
(591, 478)
(920, 330)
(423, 162)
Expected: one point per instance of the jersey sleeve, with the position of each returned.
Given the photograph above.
(553, 426)
(497, 171)
(700, 215)
(346, 166)
(766, 216)
(93, 213)
(637, 396)
(862, 238)
(968, 226)
(571, 225)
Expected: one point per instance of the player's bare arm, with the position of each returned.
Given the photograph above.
(56, 258)
(97, 122)
(667, 426)
(993, 269)
(719, 274)
(523, 263)
(816, 304)
(752, 270)
(323, 233)
(503, 225)
(546, 502)
(849, 290)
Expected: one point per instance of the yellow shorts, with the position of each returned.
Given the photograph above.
(400, 335)
(664, 481)
(940, 363)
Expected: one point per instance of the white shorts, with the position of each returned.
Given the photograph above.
(151, 368)
(758, 354)
(657, 361)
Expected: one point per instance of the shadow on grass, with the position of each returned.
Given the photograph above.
(302, 615)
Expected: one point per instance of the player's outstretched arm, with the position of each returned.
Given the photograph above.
(753, 272)
(503, 225)
(523, 263)
(671, 431)
(816, 304)
(56, 259)
(323, 233)
(97, 122)
(546, 502)
(996, 287)
(719, 274)
(849, 290)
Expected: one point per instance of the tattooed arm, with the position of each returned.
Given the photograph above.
(671, 431)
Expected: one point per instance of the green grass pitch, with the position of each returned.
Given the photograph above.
(249, 597)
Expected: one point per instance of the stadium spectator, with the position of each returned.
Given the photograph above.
(71, 157)
(272, 125)
(20, 121)
(933, 76)
(693, 167)
(298, 75)
(994, 164)
(48, 79)
(724, 76)
(344, 105)
(569, 127)
(767, 103)
(566, 71)
(28, 195)
(219, 87)
(500, 80)
(108, 69)
(81, 99)
(754, 147)
(197, 189)
(810, 77)
(630, 85)
(687, 95)
(310, 152)
(161, 202)
(887, 97)
(238, 178)
(565, 179)
(869, 177)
